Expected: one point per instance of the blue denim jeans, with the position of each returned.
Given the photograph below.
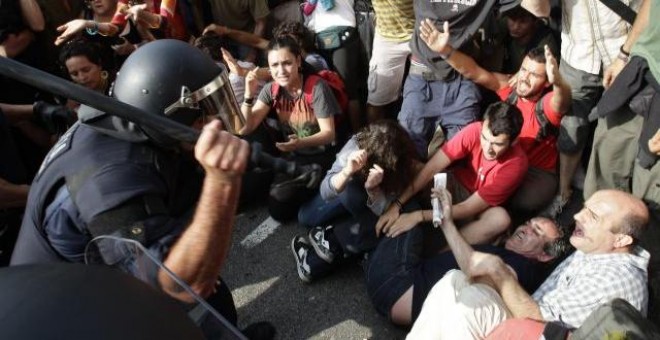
(350, 203)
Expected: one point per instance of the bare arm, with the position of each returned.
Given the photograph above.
(17, 112)
(73, 27)
(462, 63)
(244, 38)
(259, 28)
(561, 98)
(437, 163)
(199, 254)
(32, 15)
(521, 304)
(471, 207)
(641, 21)
(459, 247)
(253, 115)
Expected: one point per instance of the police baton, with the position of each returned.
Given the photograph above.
(55, 85)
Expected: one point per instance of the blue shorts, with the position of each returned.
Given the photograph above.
(427, 104)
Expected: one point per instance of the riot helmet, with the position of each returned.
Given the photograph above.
(172, 78)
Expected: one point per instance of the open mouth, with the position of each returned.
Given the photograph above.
(578, 231)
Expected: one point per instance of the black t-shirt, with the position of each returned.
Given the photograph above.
(465, 18)
(530, 273)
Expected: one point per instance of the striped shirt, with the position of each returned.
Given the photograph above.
(583, 282)
(395, 19)
(592, 34)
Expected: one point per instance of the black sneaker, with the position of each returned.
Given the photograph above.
(301, 249)
(322, 243)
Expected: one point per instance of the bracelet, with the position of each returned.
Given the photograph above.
(623, 55)
(93, 30)
(622, 51)
(248, 101)
(246, 104)
(448, 55)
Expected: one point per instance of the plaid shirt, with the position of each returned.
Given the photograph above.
(583, 282)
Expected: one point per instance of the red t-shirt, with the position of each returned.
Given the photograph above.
(541, 154)
(495, 180)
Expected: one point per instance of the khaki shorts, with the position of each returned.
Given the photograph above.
(386, 69)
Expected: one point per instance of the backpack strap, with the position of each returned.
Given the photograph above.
(308, 89)
(546, 129)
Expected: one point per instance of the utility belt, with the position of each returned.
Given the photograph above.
(335, 37)
(430, 74)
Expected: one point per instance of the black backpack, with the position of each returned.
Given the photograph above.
(547, 129)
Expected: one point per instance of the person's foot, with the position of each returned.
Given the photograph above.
(301, 249)
(262, 330)
(324, 243)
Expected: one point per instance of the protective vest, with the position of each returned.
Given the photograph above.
(113, 184)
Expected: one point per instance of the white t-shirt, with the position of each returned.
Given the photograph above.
(340, 15)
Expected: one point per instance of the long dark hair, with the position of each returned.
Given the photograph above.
(388, 145)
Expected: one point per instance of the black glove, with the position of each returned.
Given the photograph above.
(56, 118)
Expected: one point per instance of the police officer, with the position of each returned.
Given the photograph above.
(109, 177)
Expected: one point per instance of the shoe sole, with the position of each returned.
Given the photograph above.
(318, 249)
(301, 275)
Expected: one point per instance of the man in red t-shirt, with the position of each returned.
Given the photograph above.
(541, 107)
(487, 164)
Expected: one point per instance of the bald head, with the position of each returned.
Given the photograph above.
(632, 212)
(610, 221)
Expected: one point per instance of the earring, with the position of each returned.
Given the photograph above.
(104, 80)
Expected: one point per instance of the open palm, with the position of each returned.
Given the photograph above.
(434, 39)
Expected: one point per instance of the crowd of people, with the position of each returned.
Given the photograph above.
(527, 106)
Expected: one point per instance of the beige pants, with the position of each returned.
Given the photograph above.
(458, 309)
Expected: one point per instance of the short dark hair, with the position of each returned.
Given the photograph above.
(560, 246)
(537, 54)
(504, 118)
(298, 32)
(93, 51)
(211, 44)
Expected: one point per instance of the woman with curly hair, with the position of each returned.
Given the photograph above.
(374, 166)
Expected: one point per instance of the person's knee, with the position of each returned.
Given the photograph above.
(401, 311)
(497, 220)
(573, 134)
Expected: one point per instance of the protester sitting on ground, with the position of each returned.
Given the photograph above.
(399, 278)
(305, 126)
(525, 32)
(374, 166)
(295, 30)
(542, 96)
(488, 165)
(606, 265)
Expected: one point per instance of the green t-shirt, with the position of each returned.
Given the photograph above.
(648, 43)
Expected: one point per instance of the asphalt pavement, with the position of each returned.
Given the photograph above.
(261, 272)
